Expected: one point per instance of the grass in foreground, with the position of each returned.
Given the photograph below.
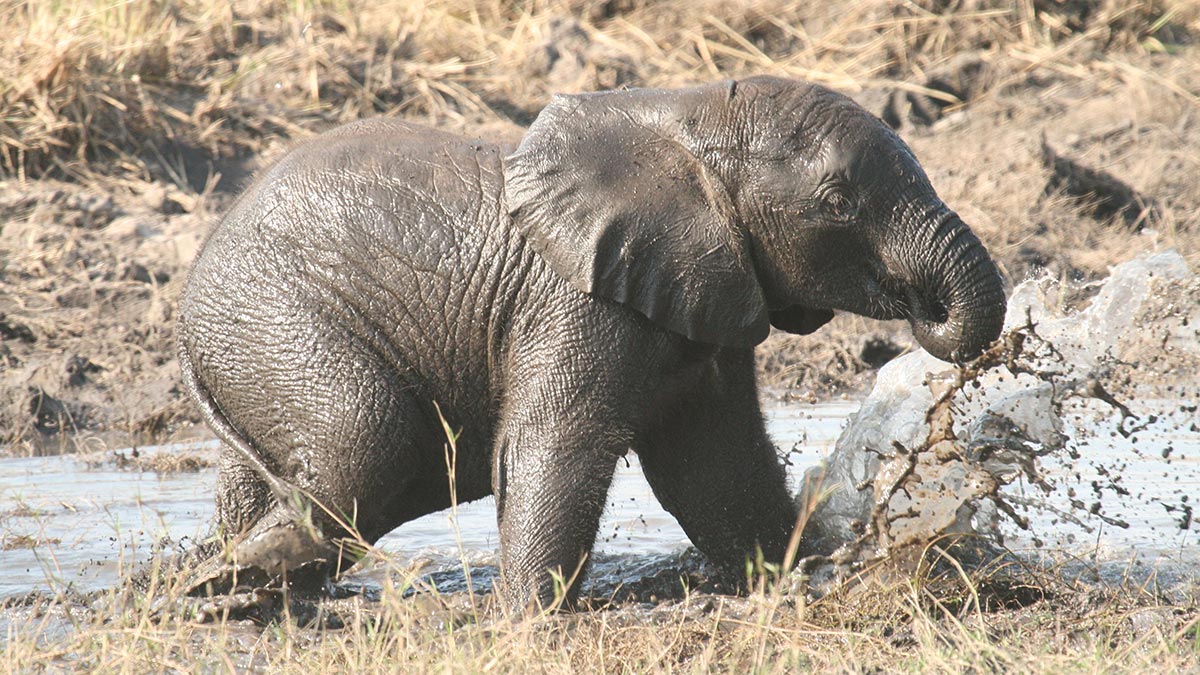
(911, 624)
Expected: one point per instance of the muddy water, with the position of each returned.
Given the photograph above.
(1158, 467)
(69, 521)
(65, 520)
(79, 522)
(1136, 530)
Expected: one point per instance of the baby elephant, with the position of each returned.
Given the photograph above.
(597, 290)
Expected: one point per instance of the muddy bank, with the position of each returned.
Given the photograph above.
(1066, 135)
(87, 298)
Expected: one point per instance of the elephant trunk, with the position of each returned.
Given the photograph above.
(957, 305)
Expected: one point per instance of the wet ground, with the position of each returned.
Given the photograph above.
(82, 521)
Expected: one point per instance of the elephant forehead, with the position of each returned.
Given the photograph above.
(823, 131)
(867, 148)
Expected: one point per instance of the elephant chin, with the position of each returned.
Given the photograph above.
(800, 320)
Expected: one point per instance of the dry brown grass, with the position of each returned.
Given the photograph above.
(885, 623)
(158, 88)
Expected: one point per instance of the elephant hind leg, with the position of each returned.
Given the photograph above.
(243, 497)
(303, 534)
(326, 440)
(314, 523)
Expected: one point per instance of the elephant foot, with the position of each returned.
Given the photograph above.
(260, 605)
(273, 554)
(226, 578)
(274, 572)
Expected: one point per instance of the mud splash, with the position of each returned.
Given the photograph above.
(1077, 433)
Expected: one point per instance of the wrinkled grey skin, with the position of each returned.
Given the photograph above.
(598, 290)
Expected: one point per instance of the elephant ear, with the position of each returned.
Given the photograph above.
(605, 189)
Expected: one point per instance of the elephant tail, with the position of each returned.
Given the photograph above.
(221, 426)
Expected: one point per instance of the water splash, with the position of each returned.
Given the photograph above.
(1048, 439)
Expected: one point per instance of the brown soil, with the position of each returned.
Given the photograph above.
(1066, 133)
(88, 294)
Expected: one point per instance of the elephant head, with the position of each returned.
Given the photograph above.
(718, 210)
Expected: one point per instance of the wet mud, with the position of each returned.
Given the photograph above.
(88, 282)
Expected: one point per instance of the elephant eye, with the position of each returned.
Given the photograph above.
(838, 200)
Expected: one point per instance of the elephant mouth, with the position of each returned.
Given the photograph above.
(925, 308)
(889, 298)
(799, 319)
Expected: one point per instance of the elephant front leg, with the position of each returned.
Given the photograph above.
(711, 465)
(551, 483)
